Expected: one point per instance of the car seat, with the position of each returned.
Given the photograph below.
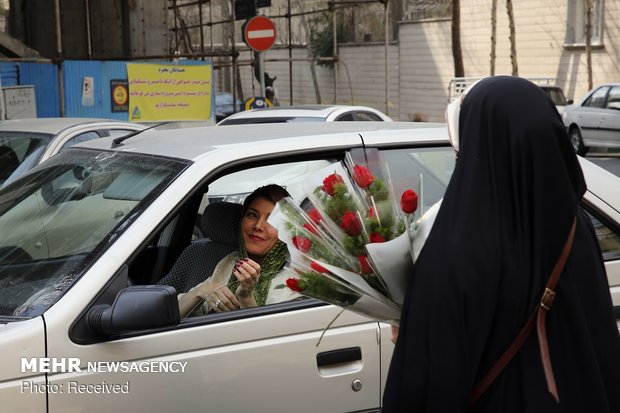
(220, 223)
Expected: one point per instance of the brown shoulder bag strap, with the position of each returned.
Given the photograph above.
(537, 317)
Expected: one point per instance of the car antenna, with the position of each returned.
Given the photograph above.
(116, 142)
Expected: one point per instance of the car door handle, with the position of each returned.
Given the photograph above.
(345, 355)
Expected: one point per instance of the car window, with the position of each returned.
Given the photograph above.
(597, 99)
(608, 240)
(119, 132)
(434, 166)
(556, 95)
(68, 209)
(214, 239)
(20, 148)
(367, 116)
(271, 119)
(347, 117)
(613, 99)
(82, 137)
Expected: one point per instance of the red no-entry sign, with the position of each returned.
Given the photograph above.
(259, 33)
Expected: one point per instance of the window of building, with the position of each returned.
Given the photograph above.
(576, 22)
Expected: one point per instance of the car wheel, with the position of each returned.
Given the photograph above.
(577, 141)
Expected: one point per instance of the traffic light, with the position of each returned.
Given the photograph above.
(245, 9)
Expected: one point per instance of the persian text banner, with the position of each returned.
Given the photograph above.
(161, 92)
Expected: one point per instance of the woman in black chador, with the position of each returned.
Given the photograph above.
(505, 219)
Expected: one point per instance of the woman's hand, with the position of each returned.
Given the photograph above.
(395, 331)
(247, 272)
(219, 298)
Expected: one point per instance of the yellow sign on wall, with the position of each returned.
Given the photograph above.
(160, 92)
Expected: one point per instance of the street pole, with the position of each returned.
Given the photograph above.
(61, 86)
(261, 73)
(386, 69)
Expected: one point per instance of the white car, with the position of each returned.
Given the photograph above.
(24, 143)
(87, 235)
(594, 120)
(306, 113)
(556, 94)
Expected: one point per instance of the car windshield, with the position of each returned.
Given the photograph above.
(556, 96)
(57, 219)
(20, 151)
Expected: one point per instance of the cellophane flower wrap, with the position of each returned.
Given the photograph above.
(349, 244)
(320, 269)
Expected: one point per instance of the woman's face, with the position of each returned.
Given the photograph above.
(259, 237)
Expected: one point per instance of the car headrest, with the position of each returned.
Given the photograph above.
(8, 161)
(220, 222)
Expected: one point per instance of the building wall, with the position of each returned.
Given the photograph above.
(542, 33)
(276, 64)
(360, 81)
(420, 65)
(425, 61)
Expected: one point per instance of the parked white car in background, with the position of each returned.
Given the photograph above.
(86, 236)
(24, 143)
(556, 94)
(306, 113)
(594, 120)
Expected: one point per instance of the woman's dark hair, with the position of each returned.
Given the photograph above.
(271, 192)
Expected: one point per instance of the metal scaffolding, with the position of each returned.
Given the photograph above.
(227, 51)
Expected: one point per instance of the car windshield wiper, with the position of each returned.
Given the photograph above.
(116, 142)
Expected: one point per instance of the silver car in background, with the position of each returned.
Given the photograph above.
(594, 120)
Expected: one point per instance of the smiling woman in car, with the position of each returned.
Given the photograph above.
(244, 278)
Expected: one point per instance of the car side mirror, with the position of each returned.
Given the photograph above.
(570, 102)
(138, 307)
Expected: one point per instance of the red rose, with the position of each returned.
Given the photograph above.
(350, 224)
(364, 264)
(294, 284)
(318, 267)
(362, 176)
(315, 215)
(376, 237)
(371, 213)
(311, 228)
(330, 181)
(303, 244)
(409, 201)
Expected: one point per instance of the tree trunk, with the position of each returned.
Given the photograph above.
(457, 54)
(513, 41)
(315, 81)
(589, 6)
(493, 37)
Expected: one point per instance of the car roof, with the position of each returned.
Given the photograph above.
(595, 87)
(586, 95)
(607, 84)
(54, 125)
(315, 111)
(192, 142)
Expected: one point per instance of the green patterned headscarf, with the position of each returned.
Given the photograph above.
(271, 264)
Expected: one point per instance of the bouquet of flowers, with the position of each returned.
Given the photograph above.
(351, 243)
